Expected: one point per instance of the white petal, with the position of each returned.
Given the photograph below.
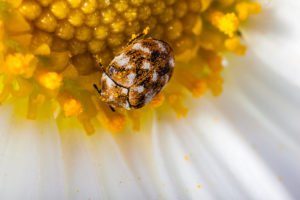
(31, 164)
(243, 145)
(275, 37)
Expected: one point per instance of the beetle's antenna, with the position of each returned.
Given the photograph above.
(97, 89)
(112, 108)
(101, 67)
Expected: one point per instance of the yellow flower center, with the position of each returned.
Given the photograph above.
(72, 107)
(50, 80)
(50, 51)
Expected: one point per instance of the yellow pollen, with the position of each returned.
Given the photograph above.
(244, 9)
(199, 88)
(157, 101)
(19, 64)
(175, 101)
(226, 23)
(50, 52)
(50, 80)
(234, 45)
(113, 122)
(72, 107)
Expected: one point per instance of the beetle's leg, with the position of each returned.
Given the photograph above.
(101, 67)
(112, 108)
(138, 36)
(97, 89)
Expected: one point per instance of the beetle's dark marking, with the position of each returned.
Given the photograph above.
(164, 70)
(154, 55)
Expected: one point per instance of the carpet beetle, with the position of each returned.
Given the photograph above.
(137, 74)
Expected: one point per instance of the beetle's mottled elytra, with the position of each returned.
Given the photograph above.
(137, 74)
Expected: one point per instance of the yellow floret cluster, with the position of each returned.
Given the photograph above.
(50, 50)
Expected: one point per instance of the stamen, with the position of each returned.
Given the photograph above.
(34, 103)
(195, 85)
(175, 100)
(226, 23)
(50, 80)
(85, 120)
(135, 117)
(72, 107)
(234, 45)
(19, 64)
(157, 101)
(244, 9)
(113, 121)
(50, 52)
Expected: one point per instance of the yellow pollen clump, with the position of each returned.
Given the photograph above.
(199, 88)
(72, 107)
(244, 9)
(50, 80)
(50, 52)
(234, 45)
(227, 23)
(19, 64)
(175, 100)
(157, 101)
(114, 123)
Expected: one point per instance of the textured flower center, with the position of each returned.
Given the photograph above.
(50, 50)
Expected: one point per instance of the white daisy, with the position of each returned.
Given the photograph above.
(244, 144)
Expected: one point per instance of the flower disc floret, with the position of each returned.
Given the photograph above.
(51, 49)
